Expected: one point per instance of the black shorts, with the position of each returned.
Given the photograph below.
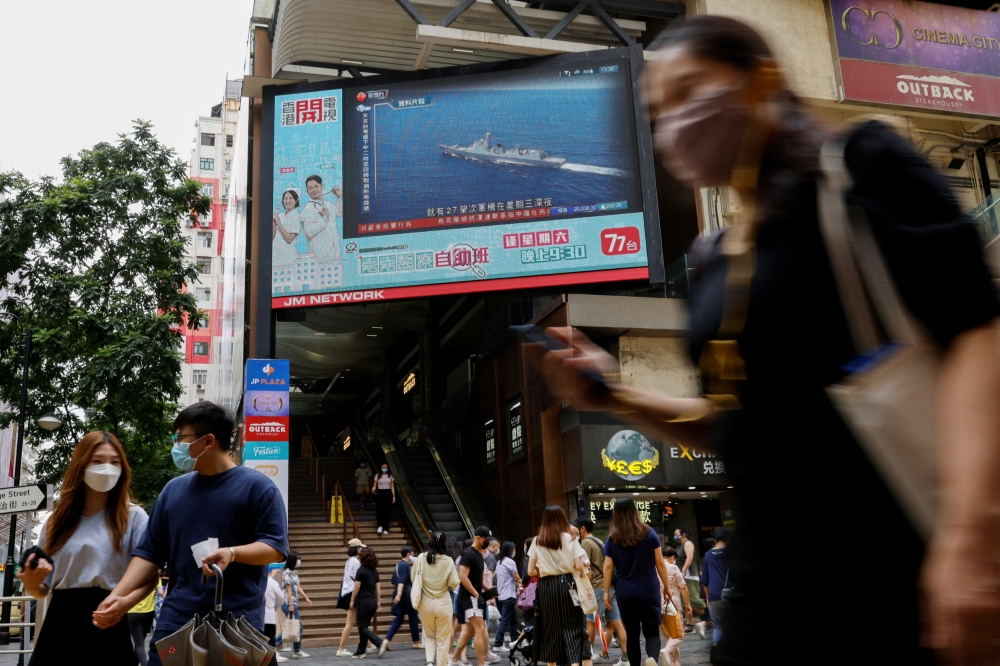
(471, 607)
(344, 602)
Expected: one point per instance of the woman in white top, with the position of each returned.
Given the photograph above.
(272, 601)
(439, 576)
(384, 490)
(554, 556)
(319, 221)
(90, 537)
(285, 229)
(351, 567)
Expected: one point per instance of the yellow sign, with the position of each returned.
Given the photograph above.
(631, 469)
(409, 383)
(337, 509)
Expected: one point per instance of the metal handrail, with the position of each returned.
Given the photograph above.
(350, 514)
(422, 526)
(39, 613)
(452, 490)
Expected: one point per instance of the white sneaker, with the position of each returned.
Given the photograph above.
(650, 661)
(357, 656)
(382, 648)
(700, 630)
(278, 658)
(300, 655)
(286, 648)
(621, 662)
(501, 648)
(379, 530)
(371, 649)
(385, 531)
(344, 653)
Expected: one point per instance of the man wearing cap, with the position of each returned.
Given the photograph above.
(470, 593)
(346, 588)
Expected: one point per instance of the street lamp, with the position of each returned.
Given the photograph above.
(49, 421)
(8, 571)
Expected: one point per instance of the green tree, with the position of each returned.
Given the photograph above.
(94, 264)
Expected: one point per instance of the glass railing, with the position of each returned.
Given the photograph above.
(985, 216)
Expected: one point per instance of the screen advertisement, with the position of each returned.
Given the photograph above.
(918, 54)
(521, 175)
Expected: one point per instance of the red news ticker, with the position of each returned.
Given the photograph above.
(450, 220)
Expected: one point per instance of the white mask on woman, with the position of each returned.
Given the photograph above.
(103, 477)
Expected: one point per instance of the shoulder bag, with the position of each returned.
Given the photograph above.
(888, 400)
(588, 600)
(417, 588)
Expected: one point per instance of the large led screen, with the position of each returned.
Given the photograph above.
(502, 179)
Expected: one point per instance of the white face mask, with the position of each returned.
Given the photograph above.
(103, 477)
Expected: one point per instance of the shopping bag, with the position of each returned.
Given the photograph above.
(671, 622)
(526, 600)
(417, 587)
(291, 631)
(888, 400)
(588, 600)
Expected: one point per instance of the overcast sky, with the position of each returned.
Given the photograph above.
(76, 73)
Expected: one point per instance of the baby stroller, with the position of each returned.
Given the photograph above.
(523, 645)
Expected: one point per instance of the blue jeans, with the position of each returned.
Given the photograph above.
(404, 607)
(294, 615)
(508, 620)
(715, 610)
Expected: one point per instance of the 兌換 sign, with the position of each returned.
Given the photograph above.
(265, 420)
(919, 55)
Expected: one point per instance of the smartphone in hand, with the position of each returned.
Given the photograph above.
(537, 335)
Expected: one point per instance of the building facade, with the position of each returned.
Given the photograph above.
(211, 164)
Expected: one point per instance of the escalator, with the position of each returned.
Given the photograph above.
(987, 218)
(445, 513)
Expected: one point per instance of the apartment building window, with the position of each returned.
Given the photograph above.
(490, 435)
(229, 165)
(199, 377)
(203, 321)
(203, 294)
(205, 266)
(201, 349)
(207, 164)
(206, 216)
(515, 428)
(208, 139)
(226, 191)
(229, 141)
(205, 239)
(208, 190)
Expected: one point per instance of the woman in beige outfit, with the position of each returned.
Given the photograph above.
(439, 577)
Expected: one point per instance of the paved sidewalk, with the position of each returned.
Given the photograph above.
(694, 652)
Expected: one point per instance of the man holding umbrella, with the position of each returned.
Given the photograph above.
(219, 500)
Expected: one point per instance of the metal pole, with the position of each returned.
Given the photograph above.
(8, 571)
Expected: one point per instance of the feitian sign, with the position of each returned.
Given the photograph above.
(918, 54)
(265, 420)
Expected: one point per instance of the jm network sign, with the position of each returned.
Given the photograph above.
(918, 54)
(265, 420)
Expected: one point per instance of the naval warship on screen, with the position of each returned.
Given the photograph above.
(484, 150)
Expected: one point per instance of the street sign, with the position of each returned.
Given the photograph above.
(21, 499)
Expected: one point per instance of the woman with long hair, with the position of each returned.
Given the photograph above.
(554, 556)
(439, 577)
(726, 117)
(384, 490)
(632, 551)
(291, 589)
(367, 599)
(285, 229)
(90, 537)
(508, 586)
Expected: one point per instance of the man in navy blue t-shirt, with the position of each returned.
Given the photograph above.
(715, 578)
(238, 506)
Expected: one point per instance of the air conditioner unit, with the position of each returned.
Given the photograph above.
(200, 387)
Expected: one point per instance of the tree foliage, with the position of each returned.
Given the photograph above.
(94, 265)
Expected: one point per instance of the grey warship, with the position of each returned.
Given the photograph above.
(484, 150)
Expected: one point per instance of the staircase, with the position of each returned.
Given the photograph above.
(321, 547)
(434, 492)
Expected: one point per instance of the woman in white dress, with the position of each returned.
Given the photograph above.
(285, 228)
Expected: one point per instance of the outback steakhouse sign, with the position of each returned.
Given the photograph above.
(919, 55)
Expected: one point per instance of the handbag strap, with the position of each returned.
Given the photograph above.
(858, 266)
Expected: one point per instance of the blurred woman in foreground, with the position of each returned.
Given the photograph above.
(724, 116)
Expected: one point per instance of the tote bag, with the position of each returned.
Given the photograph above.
(588, 600)
(417, 585)
(291, 631)
(888, 399)
(671, 623)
